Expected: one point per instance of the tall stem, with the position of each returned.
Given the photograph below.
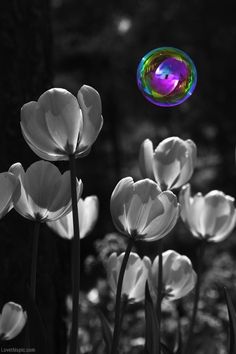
(74, 343)
(34, 259)
(117, 327)
(200, 256)
(159, 294)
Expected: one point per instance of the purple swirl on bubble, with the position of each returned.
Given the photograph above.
(166, 76)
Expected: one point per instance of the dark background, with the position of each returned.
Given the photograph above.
(68, 43)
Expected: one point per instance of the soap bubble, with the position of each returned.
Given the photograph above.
(166, 76)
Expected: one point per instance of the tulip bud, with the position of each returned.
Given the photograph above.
(59, 124)
(211, 217)
(88, 214)
(12, 321)
(178, 276)
(141, 210)
(171, 164)
(135, 276)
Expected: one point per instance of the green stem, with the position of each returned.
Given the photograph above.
(117, 327)
(200, 256)
(159, 293)
(74, 343)
(34, 259)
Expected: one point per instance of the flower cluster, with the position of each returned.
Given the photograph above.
(60, 126)
(179, 278)
(147, 210)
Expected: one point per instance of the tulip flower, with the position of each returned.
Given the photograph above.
(88, 214)
(45, 192)
(12, 321)
(178, 276)
(9, 188)
(135, 275)
(59, 124)
(211, 217)
(171, 164)
(142, 211)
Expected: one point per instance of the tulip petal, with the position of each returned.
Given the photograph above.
(22, 205)
(60, 156)
(163, 223)
(90, 104)
(8, 185)
(192, 209)
(226, 229)
(120, 199)
(62, 202)
(112, 271)
(192, 149)
(88, 214)
(63, 226)
(169, 157)
(145, 192)
(166, 175)
(41, 183)
(216, 206)
(146, 189)
(35, 130)
(184, 199)
(188, 167)
(63, 117)
(131, 270)
(146, 159)
(142, 270)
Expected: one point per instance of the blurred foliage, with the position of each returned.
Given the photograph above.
(101, 44)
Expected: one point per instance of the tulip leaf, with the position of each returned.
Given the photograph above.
(152, 335)
(37, 332)
(106, 330)
(232, 323)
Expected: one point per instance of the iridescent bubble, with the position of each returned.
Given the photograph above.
(166, 76)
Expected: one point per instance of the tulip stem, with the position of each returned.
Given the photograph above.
(118, 317)
(74, 343)
(34, 259)
(159, 292)
(200, 255)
